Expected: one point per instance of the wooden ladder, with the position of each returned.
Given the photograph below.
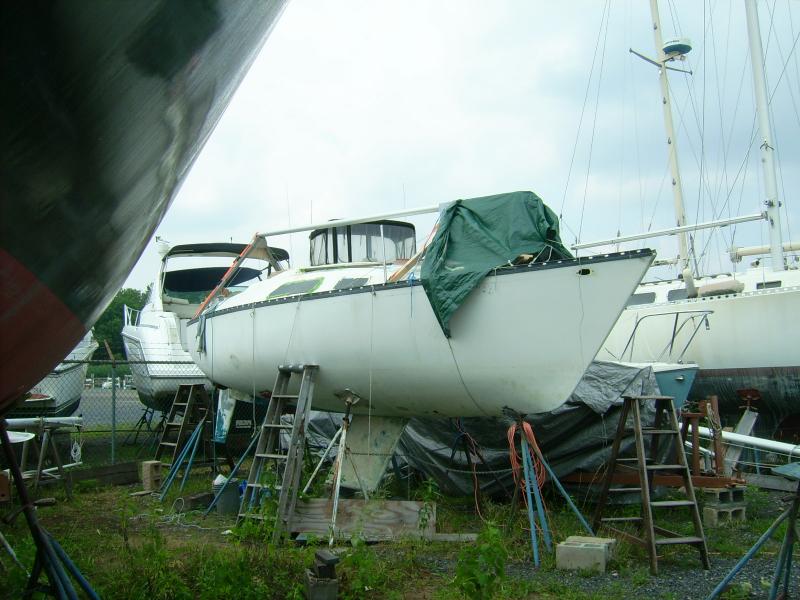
(190, 405)
(270, 464)
(646, 468)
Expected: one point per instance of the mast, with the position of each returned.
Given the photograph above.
(767, 145)
(677, 188)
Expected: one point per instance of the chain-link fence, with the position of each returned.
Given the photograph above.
(99, 412)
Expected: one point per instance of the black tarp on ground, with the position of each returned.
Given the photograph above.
(576, 436)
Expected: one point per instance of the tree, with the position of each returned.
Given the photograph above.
(109, 325)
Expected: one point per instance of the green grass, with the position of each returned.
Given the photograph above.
(136, 547)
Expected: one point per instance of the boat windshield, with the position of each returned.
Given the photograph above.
(193, 285)
(377, 241)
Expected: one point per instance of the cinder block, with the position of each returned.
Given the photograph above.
(590, 556)
(718, 514)
(726, 495)
(321, 589)
(610, 543)
(151, 475)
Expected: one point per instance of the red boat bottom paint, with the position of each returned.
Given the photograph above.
(36, 330)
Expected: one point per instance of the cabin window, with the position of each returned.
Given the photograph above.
(678, 294)
(643, 298)
(765, 285)
(296, 288)
(364, 242)
(319, 250)
(350, 282)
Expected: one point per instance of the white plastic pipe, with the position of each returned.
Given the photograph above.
(35, 422)
(753, 442)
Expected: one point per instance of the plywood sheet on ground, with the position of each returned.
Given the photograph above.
(374, 520)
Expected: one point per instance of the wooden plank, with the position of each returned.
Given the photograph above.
(119, 474)
(770, 482)
(375, 520)
(676, 481)
(452, 537)
(734, 452)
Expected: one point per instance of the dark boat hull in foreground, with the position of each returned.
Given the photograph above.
(105, 107)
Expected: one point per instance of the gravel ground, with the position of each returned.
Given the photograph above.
(672, 582)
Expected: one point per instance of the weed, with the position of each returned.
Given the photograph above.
(361, 571)
(481, 568)
(429, 492)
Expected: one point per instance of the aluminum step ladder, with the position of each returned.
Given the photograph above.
(190, 405)
(270, 464)
(665, 440)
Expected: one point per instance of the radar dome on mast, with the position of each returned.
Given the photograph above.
(677, 48)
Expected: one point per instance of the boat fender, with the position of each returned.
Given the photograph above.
(721, 288)
(688, 279)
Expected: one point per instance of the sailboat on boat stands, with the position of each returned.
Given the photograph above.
(749, 351)
(496, 315)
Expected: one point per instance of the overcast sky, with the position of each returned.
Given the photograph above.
(361, 107)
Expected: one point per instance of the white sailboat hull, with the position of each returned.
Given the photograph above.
(521, 340)
(752, 342)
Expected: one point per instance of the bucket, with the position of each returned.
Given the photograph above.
(228, 502)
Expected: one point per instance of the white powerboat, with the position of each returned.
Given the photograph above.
(59, 393)
(155, 337)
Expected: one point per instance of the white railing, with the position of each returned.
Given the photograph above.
(687, 322)
(130, 315)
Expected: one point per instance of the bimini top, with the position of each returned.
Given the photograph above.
(218, 249)
(370, 242)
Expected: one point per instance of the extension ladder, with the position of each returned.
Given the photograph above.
(646, 467)
(190, 405)
(271, 464)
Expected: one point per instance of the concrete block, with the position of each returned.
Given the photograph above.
(610, 543)
(151, 475)
(577, 555)
(321, 589)
(719, 514)
(726, 495)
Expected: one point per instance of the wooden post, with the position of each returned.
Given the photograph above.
(716, 428)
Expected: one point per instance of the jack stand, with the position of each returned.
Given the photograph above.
(50, 557)
(350, 399)
(469, 447)
(532, 487)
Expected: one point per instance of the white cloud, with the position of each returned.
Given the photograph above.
(367, 107)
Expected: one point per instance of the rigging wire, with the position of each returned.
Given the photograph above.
(594, 125)
(603, 18)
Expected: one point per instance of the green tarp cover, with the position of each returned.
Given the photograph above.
(481, 234)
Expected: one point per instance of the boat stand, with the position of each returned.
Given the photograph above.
(783, 567)
(144, 427)
(530, 483)
(350, 400)
(465, 443)
(50, 557)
